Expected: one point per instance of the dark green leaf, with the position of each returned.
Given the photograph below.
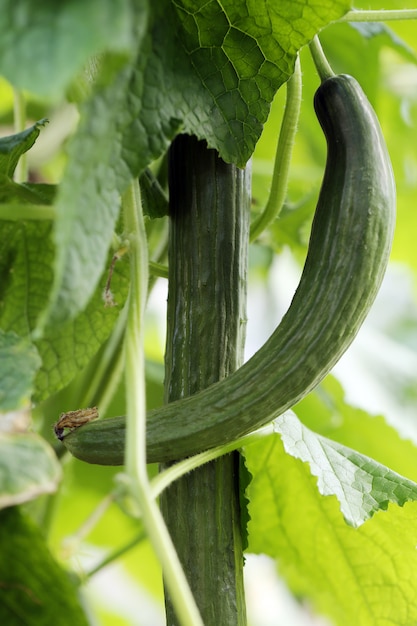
(34, 589)
(240, 54)
(44, 193)
(25, 193)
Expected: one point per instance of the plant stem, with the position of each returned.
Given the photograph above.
(283, 154)
(135, 455)
(209, 211)
(320, 61)
(379, 16)
(20, 174)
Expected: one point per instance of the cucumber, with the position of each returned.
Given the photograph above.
(347, 256)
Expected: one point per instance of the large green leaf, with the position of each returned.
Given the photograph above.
(44, 44)
(240, 54)
(34, 589)
(26, 255)
(358, 576)
(203, 69)
(88, 200)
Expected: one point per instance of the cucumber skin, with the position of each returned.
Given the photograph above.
(348, 253)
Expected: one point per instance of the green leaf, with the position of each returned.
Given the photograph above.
(34, 589)
(43, 45)
(28, 468)
(13, 146)
(361, 484)
(19, 362)
(26, 256)
(358, 576)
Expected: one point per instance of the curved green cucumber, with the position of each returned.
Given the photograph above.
(347, 256)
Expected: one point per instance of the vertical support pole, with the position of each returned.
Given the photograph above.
(208, 245)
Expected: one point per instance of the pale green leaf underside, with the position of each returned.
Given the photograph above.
(358, 576)
(19, 362)
(28, 468)
(362, 485)
(101, 162)
(88, 201)
(326, 412)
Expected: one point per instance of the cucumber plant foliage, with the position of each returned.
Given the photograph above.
(347, 256)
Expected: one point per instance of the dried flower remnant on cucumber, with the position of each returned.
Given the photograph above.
(74, 419)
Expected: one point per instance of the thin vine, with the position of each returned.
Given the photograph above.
(283, 154)
(135, 451)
